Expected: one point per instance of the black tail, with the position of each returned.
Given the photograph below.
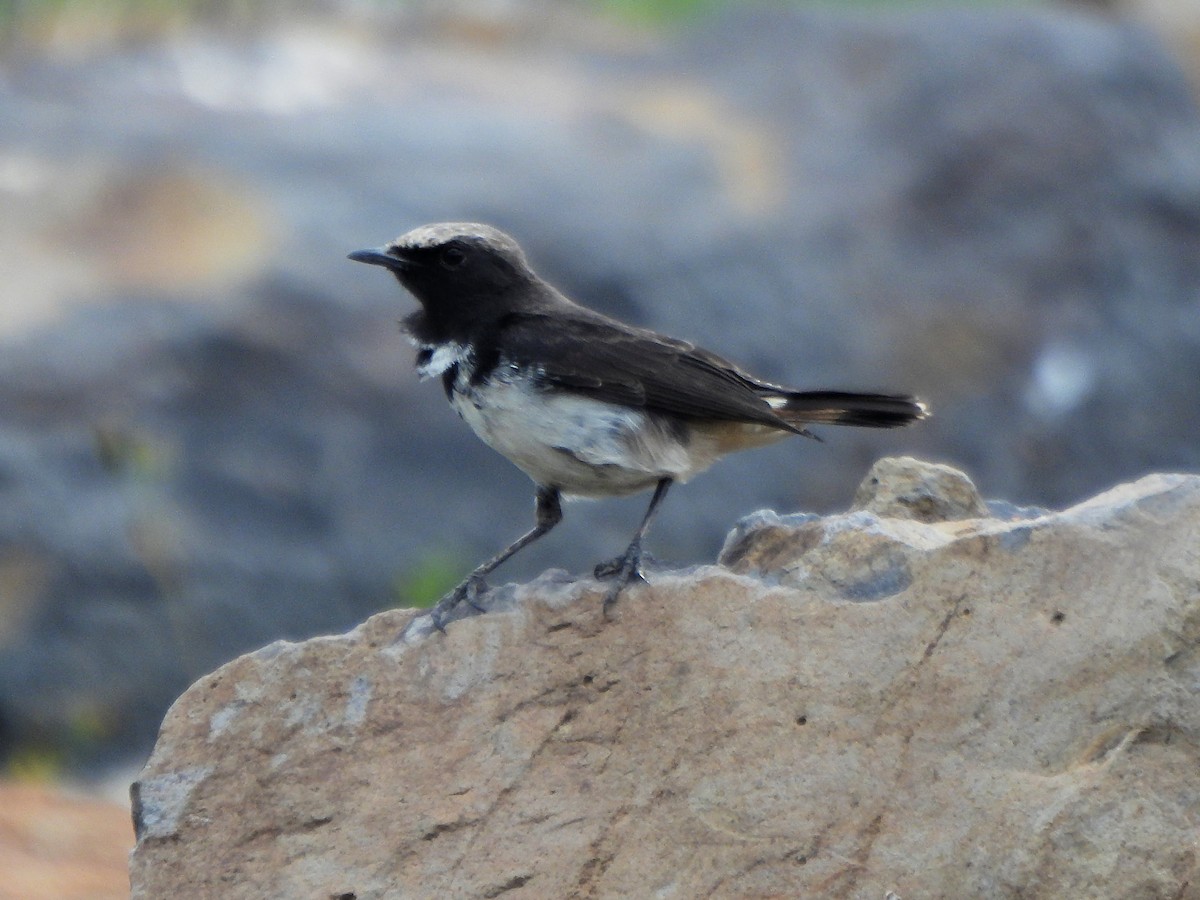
(845, 408)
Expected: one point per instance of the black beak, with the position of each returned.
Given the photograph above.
(379, 257)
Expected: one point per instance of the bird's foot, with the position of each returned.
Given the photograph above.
(623, 570)
(610, 568)
(469, 592)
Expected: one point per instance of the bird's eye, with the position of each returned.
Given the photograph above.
(452, 257)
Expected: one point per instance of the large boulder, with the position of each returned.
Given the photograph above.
(980, 705)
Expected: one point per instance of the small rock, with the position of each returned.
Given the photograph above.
(907, 488)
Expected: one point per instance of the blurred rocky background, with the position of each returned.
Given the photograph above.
(210, 433)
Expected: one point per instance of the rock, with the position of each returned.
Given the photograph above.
(906, 488)
(1006, 709)
(58, 845)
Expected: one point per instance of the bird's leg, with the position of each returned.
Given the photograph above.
(628, 566)
(549, 514)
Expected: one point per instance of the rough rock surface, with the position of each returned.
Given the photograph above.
(846, 706)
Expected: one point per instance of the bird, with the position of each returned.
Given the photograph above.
(583, 403)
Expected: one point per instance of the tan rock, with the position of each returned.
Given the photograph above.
(58, 845)
(906, 488)
(852, 705)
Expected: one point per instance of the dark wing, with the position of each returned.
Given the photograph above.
(616, 363)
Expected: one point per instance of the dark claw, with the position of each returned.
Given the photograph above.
(473, 590)
(624, 570)
(470, 591)
(611, 567)
(438, 621)
(607, 569)
(614, 591)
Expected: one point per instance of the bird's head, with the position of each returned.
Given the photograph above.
(455, 270)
